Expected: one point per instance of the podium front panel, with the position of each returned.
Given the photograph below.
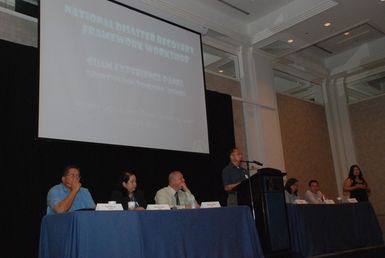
(269, 209)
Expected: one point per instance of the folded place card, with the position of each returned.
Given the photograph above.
(109, 207)
(158, 207)
(352, 200)
(298, 201)
(210, 205)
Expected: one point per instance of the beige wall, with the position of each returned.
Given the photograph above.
(223, 85)
(306, 144)
(233, 88)
(368, 126)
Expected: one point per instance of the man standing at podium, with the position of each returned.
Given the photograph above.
(233, 175)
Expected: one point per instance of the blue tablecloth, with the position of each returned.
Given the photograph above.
(319, 229)
(206, 233)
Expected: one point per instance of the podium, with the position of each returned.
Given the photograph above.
(269, 209)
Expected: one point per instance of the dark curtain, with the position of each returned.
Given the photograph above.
(30, 166)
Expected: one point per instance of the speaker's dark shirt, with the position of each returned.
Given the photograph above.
(233, 174)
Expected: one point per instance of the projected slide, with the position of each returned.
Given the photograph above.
(110, 74)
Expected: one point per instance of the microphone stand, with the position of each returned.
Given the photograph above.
(250, 187)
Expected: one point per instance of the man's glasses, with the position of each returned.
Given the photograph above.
(73, 176)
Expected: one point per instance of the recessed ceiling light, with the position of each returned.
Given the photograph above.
(382, 0)
(221, 71)
(290, 40)
(348, 32)
(327, 24)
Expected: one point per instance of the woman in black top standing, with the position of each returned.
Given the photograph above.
(126, 192)
(356, 184)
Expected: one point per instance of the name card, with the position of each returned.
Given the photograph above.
(109, 207)
(352, 200)
(152, 207)
(298, 201)
(210, 205)
(329, 201)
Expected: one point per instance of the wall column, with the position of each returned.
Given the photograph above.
(263, 134)
(340, 132)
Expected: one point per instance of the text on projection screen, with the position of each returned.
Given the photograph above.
(109, 74)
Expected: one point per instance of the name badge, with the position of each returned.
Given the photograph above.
(210, 204)
(152, 207)
(329, 201)
(298, 201)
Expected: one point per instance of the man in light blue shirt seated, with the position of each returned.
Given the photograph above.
(69, 195)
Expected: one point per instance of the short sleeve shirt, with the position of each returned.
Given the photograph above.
(233, 174)
(59, 192)
(166, 195)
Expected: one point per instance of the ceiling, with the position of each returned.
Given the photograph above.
(365, 88)
(245, 11)
(220, 62)
(316, 50)
(347, 15)
(290, 85)
(267, 25)
(241, 21)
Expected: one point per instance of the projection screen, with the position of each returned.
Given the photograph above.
(114, 75)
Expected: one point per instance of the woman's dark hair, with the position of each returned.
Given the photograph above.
(289, 183)
(124, 177)
(351, 173)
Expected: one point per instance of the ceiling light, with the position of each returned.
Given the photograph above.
(348, 32)
(290, 40)
(382, 0)
(327, 24)
(221, 71)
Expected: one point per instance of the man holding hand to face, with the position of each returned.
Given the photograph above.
(69, 195)
(176, 194)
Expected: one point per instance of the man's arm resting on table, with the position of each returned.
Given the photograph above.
(65, 204)
(189, 195)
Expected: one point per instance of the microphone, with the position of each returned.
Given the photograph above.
(252, 161)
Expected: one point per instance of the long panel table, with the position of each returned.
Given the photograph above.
(195, 233)
(319, 229)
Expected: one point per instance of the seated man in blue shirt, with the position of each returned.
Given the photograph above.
(69, 195)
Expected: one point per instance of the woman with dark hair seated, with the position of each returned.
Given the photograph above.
(356, 185)
(291, 190)
(126, 192)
